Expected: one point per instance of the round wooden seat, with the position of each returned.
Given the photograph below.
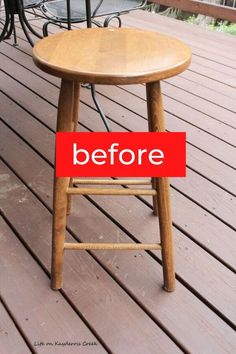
(111, 56)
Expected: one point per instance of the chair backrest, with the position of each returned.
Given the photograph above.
(29, 4)
(73, 11)
(107, 7)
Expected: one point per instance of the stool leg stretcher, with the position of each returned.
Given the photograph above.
(111, 246)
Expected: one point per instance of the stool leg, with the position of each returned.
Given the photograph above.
(156, 124)
(64, 124)
(75, 122)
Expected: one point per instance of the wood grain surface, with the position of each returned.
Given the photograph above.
(111, 56)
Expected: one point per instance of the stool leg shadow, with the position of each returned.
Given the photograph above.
(65, 110)
(161, 202)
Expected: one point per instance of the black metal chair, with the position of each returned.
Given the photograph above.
(75, 11)
(8, 12)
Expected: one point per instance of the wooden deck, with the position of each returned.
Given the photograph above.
(113, 301)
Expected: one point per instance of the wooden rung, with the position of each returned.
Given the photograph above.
(112, 246)
(112, 181)
(110, 191)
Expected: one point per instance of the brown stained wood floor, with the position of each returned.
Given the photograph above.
(113, 301)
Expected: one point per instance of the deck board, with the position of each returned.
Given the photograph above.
(214, 86)
(220, 99)
(10, 338)
(126, 310)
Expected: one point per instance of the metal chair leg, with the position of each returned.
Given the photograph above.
(26, 22)
(14, 32)
(24, 28)
(5, 31)
(102, 115)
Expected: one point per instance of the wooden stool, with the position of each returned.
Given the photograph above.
(112, 57)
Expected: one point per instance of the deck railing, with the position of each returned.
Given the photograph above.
(203, 7)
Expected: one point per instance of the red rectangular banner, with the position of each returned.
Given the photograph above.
(121, 154)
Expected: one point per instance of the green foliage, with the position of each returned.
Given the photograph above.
(219, 26)
(225, 27)
(192, 19)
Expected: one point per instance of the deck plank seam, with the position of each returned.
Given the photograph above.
(204, 208)
(206, 114)
(18, 327)
(211, 180)
(209, 77)
(205, 99)
(221, 91)
(31, 90)
(26, 142)
(215, 61)
(26, 110)
(25, 67)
